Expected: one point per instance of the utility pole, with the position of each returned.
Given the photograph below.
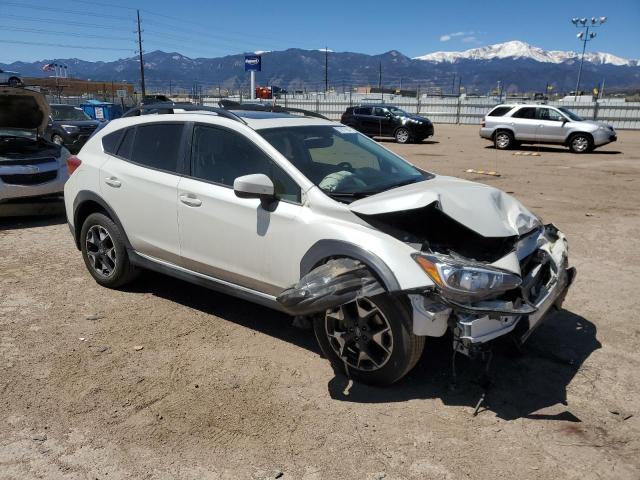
(141, 60)
(326, 70)
(380, 79)
(584, 37)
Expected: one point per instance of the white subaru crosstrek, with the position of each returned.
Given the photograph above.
(310, 217)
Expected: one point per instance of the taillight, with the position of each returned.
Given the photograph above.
(483, 123)
(73, 162)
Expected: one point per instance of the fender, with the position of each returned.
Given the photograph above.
(326, 249)
(84, 196)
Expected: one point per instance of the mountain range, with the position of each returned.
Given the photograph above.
(517, 65)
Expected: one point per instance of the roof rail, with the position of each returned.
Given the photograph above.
(265, 107)
(165, 108)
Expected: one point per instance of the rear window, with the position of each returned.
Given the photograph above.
(362, 111)
(499, 111)
(157, 146)
(110, 142)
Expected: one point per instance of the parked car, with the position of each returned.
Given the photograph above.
(70, 126)
(388, 121)
(13, 79)
(312, 218)
(32, 169)
(510, 125)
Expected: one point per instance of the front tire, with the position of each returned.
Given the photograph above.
(371, 338)
(402, 135)
(14, 82)
(57, 139)
(580, 143)
(104, 251)
(503, 140)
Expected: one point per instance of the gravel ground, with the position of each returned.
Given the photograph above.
(168, 380)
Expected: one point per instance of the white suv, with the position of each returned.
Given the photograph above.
(310, 217)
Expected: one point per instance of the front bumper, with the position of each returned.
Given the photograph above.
(13, 187)
(546, 280)
(602, 137)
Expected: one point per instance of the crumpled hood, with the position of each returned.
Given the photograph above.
(24, 109)
(481, 208)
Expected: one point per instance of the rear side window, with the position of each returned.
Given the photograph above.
(363, 111)
(110, 142)
(157, 146)
(499, 111)
(525, 112)
(124, 150)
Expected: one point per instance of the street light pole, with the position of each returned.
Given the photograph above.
(584, 37)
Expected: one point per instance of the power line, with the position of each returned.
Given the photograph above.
(43, 44)
(53, 32)
(49, 21)
(31, 6)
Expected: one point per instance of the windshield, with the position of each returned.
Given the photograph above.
(570, 114)
(344, 163)
(68, 113)
(398, 112)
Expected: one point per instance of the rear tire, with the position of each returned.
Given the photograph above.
(374, 336)
(57, 139)
(503, 140)
(14, 82)
(105, 252)
(580, 143)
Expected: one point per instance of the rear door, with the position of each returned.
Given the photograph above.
(551, 127)
(525, 124)
(368, 123)
(140, 183)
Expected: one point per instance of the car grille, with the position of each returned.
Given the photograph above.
(27, 161)
(87, 129)
(29, 178)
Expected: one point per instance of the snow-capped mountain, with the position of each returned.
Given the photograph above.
(517, 49)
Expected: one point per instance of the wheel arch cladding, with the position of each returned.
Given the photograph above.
(324, 250)
(85, 204)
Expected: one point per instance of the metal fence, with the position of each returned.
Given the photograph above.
(456, 110)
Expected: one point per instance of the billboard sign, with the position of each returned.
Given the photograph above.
(252, 63)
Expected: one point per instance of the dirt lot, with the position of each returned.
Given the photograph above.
(226, 389)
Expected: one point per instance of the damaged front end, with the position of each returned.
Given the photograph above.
(510, 304)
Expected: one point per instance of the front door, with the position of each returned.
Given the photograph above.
(551, 126)
(234, 239)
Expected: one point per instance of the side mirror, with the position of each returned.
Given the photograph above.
(564, 120)
(257, 185)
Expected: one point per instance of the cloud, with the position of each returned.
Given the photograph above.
(448, 36)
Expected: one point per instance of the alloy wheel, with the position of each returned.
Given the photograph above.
(580, 144)
(360, 335)
(101, 251)
(402, 136)
(502, 140)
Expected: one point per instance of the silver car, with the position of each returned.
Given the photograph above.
(510, 125)
(33, 170)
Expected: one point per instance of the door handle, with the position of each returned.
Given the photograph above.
(190, 199)
(113, 182)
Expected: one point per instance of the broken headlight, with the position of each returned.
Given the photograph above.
(466, 281)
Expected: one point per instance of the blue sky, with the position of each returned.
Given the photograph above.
(103, 30)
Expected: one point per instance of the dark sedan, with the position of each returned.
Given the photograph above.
(70, 126)
(388, 121)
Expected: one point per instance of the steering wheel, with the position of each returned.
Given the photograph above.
(346, 165)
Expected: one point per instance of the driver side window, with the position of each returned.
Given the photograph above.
(220, 156)
(379, 112)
